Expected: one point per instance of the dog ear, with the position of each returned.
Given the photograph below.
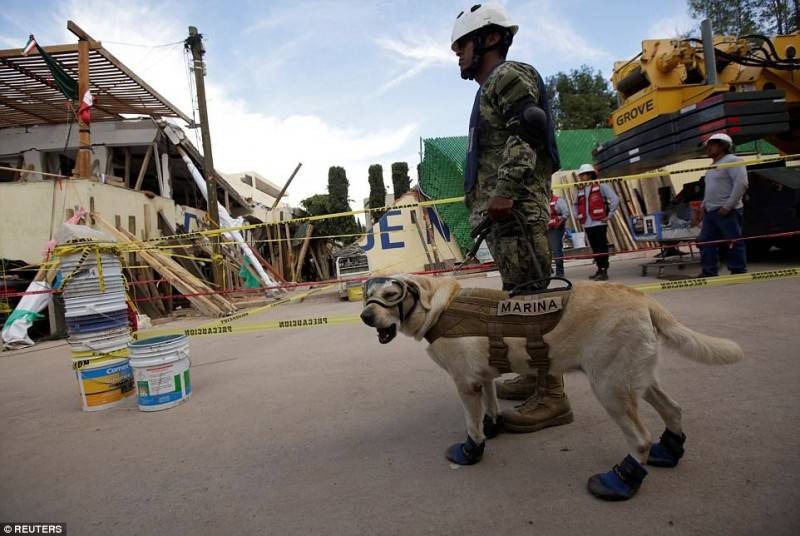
(425, 289)
(433, 292)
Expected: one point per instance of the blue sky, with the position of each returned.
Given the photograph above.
(334, 83)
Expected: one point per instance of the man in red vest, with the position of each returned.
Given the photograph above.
(559, 213)
(595, 204)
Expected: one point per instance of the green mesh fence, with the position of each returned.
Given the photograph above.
(442, 169)
(442, 176)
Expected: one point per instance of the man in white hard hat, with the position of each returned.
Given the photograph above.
(722, 207)
(511, 157)
(595, 204)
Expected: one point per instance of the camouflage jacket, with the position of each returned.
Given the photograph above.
(508, 166)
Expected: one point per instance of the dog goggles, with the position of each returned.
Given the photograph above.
(393, 299)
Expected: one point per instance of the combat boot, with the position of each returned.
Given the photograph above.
(602, 275)
(537, 412)
(517, 388)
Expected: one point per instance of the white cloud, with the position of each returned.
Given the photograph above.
(273, 146)
(425, 50)
(544, 27)
(243, 139)
(669, 27)
(415, 56)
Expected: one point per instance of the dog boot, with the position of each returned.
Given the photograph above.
(492, 427)
(552, 409)
(467, 453)
(619, 484)
(668, 451)
(516, 388)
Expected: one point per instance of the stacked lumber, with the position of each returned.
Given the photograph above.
(177, 276)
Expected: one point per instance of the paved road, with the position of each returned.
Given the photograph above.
(324, 431)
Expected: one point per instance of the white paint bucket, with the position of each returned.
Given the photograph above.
(104, 383)
(579, 240)
(161, 371)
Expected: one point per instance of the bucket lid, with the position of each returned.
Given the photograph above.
(161, 340)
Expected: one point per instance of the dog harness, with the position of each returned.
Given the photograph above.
(493, 314)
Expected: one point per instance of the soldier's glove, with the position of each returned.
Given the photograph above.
(500, 208)
(528, 121)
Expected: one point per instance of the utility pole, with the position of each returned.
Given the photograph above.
(195, 43)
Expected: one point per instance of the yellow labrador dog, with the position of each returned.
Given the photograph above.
(609, 331)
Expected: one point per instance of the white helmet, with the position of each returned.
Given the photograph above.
(719, 136)
(479, 16)
(587, 168)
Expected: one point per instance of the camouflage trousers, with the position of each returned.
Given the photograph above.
(513, 256)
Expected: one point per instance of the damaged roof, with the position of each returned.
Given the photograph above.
(28, 95)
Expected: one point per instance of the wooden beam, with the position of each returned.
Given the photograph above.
(15, 106)
(289, 251)
(157, 164)
(52, 49)
(84, 163)
(127, 167)
(303, 250)
(143, 169)
(285, 186)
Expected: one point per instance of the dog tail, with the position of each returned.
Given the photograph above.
(696, 346)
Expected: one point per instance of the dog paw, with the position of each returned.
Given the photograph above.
(668, 451)
(492, 428)
(619, 484)
(467, 453)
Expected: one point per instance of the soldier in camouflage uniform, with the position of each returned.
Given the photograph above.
(512, 155)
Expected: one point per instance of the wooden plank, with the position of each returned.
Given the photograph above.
(317, 264)
(270, 245)
(303, 250)
(280, 251)
(127, 167)
(182, 280)
(143, 169)
(157, 164)
(286, 186)
(168, 229)
(289, 252)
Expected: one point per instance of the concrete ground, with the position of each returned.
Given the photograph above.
(324, 431)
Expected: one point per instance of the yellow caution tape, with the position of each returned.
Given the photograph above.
(219, 326)
(460, 199)
(734, 279)
(215, 328)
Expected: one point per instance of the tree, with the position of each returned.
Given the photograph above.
(338, 186)
(779, 16)
(377, 191)
(728, 17)
(580, 99)
(331, 203)
(401, 182)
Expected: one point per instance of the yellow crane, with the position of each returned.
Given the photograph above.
(676, 92)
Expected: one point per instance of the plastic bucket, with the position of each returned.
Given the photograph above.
(161, 371)
(104, 383)
(579, 240)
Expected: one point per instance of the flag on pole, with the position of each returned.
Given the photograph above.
(30, 46)
(84, 111)
(63, 81)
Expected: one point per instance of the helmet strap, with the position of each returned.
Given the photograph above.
(479, 49)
